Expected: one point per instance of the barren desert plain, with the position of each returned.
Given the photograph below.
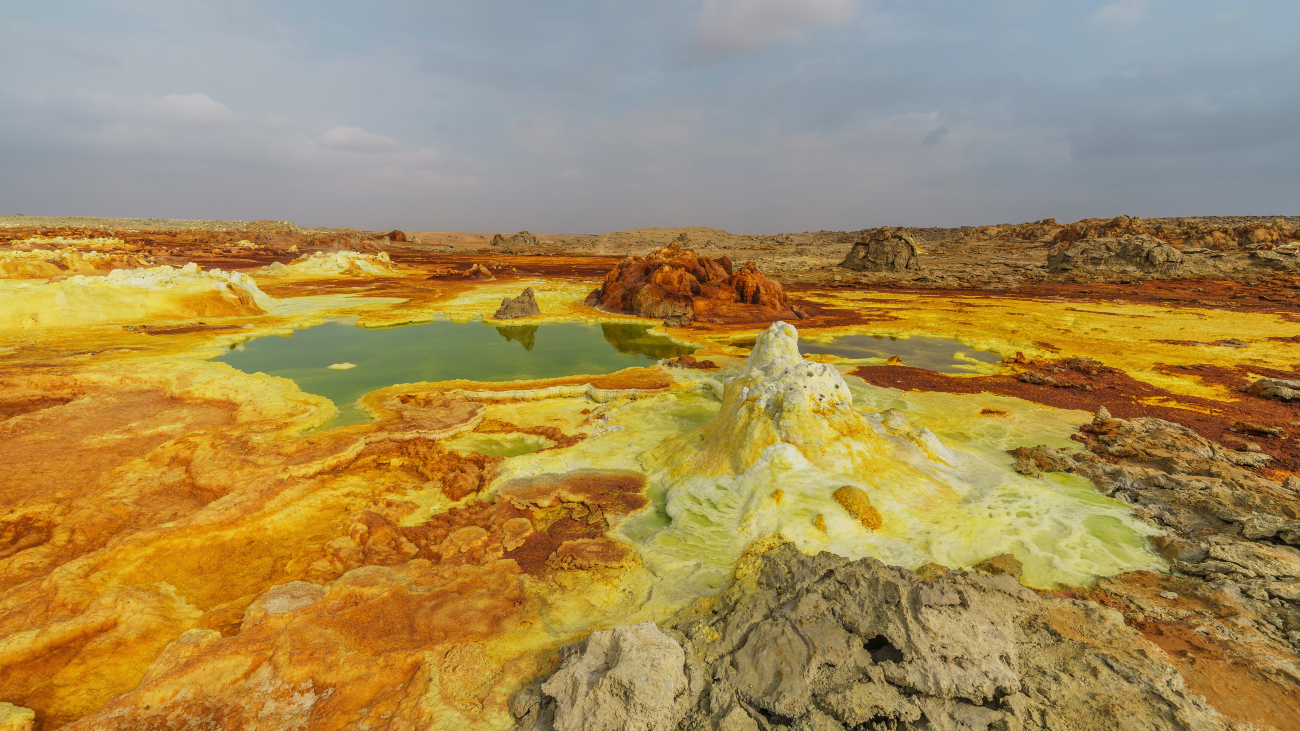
(1019, 476)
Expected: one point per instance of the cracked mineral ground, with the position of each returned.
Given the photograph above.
(1016, 476)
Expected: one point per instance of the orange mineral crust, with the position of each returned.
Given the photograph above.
(1086, 384)
(154, 508)
(677, 282)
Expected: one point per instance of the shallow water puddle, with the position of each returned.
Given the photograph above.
(342, 362)
(934, 354)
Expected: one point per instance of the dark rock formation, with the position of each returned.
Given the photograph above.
(397, 236)
(523, 238)
(515, 307)
(1276, 389)
(884, 250)
(1191, 233)
(822, 642)
(1140, 254)
(676, 284)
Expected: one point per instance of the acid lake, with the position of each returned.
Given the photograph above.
(366, 359)
(934, 354)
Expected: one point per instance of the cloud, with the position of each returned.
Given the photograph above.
(199, 110)
(935, 136)
(1121, 15)
(750, 25)
(581, 116)
(355, 139)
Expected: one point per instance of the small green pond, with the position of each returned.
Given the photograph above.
(933, 354)
(443, 351)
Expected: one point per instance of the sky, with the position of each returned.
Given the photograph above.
(587, 116)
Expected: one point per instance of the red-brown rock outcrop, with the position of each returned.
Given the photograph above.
(676, 282)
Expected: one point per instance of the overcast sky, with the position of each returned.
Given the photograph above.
(585, 116)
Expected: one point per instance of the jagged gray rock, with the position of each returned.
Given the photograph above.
(625, 679)
(884, 250)
(1229, 520)
(1276, 389)
(1133, 254)
(525, 305)
(523, 238)
(822, 643)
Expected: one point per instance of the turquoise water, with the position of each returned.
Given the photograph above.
(934, 354)
(444, 351)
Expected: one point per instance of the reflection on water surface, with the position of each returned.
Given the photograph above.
(934, 354)
(444, 351)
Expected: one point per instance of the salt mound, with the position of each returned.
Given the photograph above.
(788, 441)
(133, 295)
(68, 259)
(339, 262)
(782, 401)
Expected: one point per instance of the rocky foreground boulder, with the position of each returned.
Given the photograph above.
(822, 643)
(884, 250)
(512, 308)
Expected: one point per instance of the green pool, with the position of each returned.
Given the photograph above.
(934, 354)
(443, 351)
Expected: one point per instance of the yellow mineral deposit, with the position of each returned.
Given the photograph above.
(130, 295)
(785, 421)
(329, 264)
(16, 718)
(858, 503)
(58, 257)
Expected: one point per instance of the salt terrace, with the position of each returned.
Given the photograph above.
(1032, 476)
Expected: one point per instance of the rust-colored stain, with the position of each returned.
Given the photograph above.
(1088, 385)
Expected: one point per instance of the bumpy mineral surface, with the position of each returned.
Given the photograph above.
(677, 282)
(513, 308)
(884, 250)
(1100, 531)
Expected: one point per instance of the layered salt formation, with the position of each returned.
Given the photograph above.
(351, 263)
(132, 295)
(788, 440)
(67, 256)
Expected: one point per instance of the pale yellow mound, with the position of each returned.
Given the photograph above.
(128, 296)
(320, 263)
(65, 257)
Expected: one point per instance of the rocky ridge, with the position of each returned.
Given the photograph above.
(1227, 522)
